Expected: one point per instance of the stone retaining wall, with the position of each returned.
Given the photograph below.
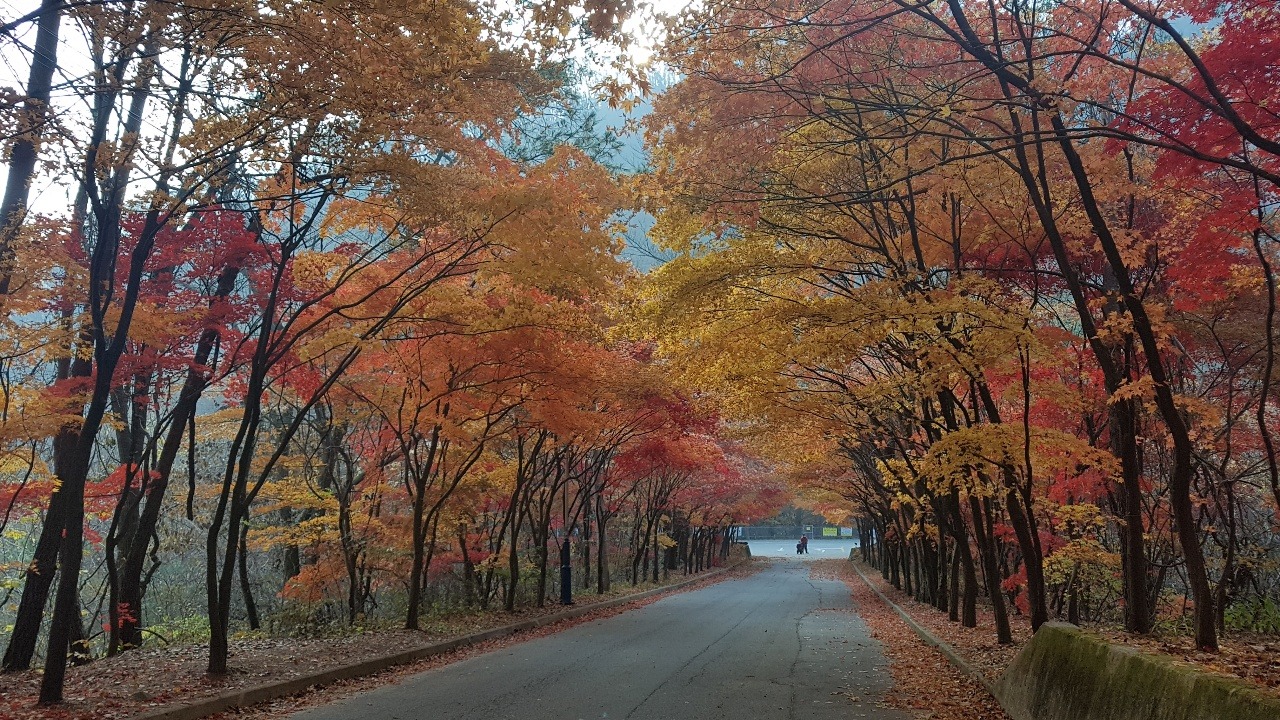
(1064, 674)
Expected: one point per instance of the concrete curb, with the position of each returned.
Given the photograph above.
(932, 640)
(245, 697)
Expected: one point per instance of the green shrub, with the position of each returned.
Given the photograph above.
(179, 631)
(1255, 614)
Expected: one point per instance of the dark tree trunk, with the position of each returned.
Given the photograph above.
(585, 550)
(1180, 476)
(953, 598)
(38, 579)
(969, 602)
(942, 560)
(31, 126)
(246, 589)
(468, 567)
(1139, 616)
(602, 557)
(991, 569)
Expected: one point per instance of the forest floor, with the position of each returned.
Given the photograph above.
(134, 682)
(919, 671)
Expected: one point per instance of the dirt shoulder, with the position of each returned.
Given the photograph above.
(135, 682)
(926, 683)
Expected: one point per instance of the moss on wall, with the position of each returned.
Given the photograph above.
(1064, 674)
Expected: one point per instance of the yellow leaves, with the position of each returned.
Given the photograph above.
(220, 425)
(1207, 415)
(153, 323)
(19, 463)
(316, 271)
(317, 508)
(759, 323)
(1082, 516)
(1085, 558)
(974, 458)
(894, 468)
(566, 199)
(902, 500)
(303, 534)
(1142, 390)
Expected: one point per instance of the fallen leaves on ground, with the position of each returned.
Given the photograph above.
(977, 645)
(133, 682)
(924, 682)
(1243, 656)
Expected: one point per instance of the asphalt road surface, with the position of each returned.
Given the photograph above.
(776, 644)
(818, 547)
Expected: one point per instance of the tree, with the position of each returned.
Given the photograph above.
(849, 183)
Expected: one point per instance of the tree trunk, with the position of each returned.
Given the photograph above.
(468, 567)
(602, 557)
(942, 560)
(38, 579)
(513, 570)
(246, 589)
(585, 551)
(416, 563)
(1139, 616)
(1179, 432)
(23, 152)
(953, 598)
(991, 569)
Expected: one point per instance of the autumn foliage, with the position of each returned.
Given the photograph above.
(334, 332)
(999, 276)
(318, 337)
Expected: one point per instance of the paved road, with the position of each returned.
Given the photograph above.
(777, 644)
(818, 547)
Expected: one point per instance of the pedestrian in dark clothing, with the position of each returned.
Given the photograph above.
(804, 544)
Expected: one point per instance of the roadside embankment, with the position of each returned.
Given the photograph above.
(1065, 674)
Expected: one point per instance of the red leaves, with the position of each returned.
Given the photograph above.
(124, 614)
(1207, 119)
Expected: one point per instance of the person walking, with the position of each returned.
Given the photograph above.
(804, 545)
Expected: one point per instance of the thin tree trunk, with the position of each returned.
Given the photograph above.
(991, 569)
(33, 119)
(246, 589)
(602, 556)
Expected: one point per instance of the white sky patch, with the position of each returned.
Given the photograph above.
(646, 29)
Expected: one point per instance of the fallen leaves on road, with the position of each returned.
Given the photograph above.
(133, 682)
(1244, 656)
(916, 667)
(925, 683)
